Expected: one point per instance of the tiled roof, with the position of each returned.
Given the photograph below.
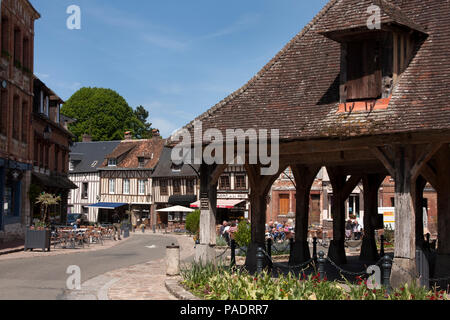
(164, 167)
(89, 156)
(131, 150)
(297, 92)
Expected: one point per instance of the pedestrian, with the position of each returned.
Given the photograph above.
(116, 225)
(348, 230)
(355, 229)
(222, 228)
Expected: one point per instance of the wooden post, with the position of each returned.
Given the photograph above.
(418, 203)
(259, 188)
(341, 191)
(371, 184)
(443, 190)
(404, 267)
(304, 178)
(205, 251)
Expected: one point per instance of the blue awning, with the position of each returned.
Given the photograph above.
(107, 205)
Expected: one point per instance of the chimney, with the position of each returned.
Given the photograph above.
(87, 138)
(128, 135)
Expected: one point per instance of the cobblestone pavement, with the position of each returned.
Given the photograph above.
(139, 282)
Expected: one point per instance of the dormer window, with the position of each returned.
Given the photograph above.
(372, 59)
(112, 162)
(141, 161)
(176, 167)
(71, 166)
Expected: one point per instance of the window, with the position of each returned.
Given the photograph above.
(190, 186)
(363, 70)
(4, 112)
(163, 187)
(26, 55)
(240, 183)
(25, 122)
(141, 187)
(177, 167)
(5, 36)
(84, 192)
(56, 158)
(71, 166)
(126, 186)
(224, 183)
(41, 104)
(141, 161)
(46, 105)
(112, 186)
(17, 44)
(16, 117)
(176, 186)
(112, 162)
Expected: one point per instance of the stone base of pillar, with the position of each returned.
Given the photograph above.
(250, 260)
(403, 272)
(369, 250)
(205, 253)
(299, 253)
(336, 252)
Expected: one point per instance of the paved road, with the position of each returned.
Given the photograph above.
(45, 277)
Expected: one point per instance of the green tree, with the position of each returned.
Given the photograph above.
(243, 235)
(101, 113)
(46, 200)
(144, 128)
(193, 222)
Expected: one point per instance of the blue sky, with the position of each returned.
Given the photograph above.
(176, 58)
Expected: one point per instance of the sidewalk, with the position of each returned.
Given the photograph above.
(140, 282)
(11, 246)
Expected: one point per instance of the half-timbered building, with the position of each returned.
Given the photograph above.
(51, 147)
(85, 159)
(16, 100)
(362, 90)
(126, 179)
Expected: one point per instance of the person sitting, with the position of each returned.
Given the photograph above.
(348, 230)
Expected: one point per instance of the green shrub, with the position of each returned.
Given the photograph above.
(243, 235)
(221, 242)
(193, 222)
(219, 283)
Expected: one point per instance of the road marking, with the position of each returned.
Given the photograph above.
(151, 247)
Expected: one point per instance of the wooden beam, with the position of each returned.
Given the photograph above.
(423, 158)
(388, 163)
(428, 173)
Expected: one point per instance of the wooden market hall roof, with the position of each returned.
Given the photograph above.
(297, 92)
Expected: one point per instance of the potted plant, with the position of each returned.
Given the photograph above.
(39, 235)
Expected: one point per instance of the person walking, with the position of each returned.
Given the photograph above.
(116, 225)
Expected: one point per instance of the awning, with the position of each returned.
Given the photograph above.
(107, 205)
(57, 182)
(182, 199)
(176, 209)
(222, 203)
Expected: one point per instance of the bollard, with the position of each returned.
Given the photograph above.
(387, 267)
(321, 262)
(382, 246)
(259, 260)
(173, 260)
(269, 247)
(315, 248)
(233, 253)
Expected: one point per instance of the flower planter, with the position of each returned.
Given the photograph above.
(37, 239)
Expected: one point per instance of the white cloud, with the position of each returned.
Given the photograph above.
(165, 42)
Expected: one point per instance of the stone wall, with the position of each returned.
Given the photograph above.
(12, 232)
